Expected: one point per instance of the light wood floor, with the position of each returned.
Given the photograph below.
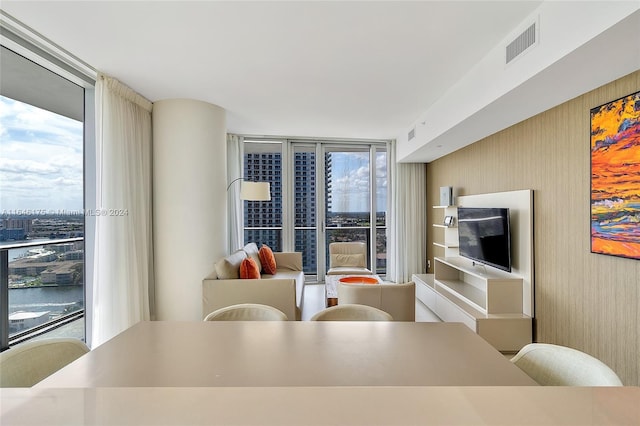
(314, 302)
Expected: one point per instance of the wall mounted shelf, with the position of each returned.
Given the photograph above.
(497, 305)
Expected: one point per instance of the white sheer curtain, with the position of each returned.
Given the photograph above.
(408, 224)
(123, 281)
(234, 171)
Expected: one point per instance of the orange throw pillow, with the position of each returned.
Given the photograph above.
(249, 269)
(267, 259)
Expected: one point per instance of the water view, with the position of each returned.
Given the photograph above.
(56, 300)
(45, 283)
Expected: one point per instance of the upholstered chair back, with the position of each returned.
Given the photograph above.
(247, 312)
(348, 258)
(28, 363)
(349, 312)
(553, 365)
(399, 300)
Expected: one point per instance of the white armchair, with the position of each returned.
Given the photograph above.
(349, 258)
(399, 300)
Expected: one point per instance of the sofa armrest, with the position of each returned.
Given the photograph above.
(288, 260)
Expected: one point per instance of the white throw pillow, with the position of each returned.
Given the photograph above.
(229, 267)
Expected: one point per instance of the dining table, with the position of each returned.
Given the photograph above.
(291, 353)
(326, 405)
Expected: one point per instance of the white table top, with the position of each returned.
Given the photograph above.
(444, 405)
(291, 353)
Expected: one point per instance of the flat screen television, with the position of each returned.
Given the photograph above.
(484, 236)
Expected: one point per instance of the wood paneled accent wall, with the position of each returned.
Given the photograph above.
(587, 301)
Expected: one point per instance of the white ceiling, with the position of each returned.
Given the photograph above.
(344, 69)
(331, 69)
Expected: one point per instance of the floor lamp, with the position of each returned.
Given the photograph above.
(249, 191)
(253, 191)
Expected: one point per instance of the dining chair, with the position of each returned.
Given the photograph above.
(247, 312)
(348, 258)
(554, 365)
(352, 312)
(26, 364)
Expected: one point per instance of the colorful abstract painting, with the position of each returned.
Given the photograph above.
(615, 177)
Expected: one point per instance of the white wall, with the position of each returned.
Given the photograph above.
(189, 202)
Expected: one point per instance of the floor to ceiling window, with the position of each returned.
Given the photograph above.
(321, 192)
(263, 219)
(304, 197)
(42, 209)
(381, 177)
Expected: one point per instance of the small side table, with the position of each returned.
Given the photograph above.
(331, 286)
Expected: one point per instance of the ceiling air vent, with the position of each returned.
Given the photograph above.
(412, 134)
(522, 42)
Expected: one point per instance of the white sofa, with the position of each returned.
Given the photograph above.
(282, 290)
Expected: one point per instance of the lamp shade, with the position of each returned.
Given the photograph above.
(255, 191)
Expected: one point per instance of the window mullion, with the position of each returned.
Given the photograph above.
(372, 207)
(321, 219)
(288, 232)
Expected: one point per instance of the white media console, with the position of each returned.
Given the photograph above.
(495, 304)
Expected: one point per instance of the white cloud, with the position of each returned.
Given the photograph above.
(8, 165)
(350, 182)
(41, 158)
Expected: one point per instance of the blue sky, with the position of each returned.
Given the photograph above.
(350, 182)
(41, 159)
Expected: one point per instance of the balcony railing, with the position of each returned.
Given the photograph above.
(58, 279)
(305, 242)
